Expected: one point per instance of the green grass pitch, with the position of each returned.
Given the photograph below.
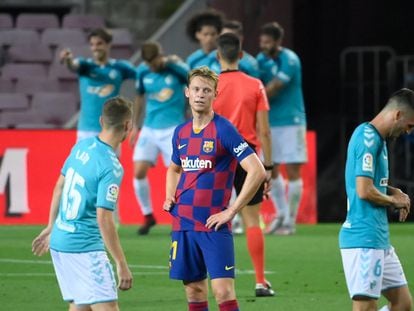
(305, 270)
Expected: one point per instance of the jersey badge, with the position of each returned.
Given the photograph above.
(208, 146)
(367, 162)
(112, 193)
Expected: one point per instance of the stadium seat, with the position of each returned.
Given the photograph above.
(6, 86)
(13, 101)
(6, 21)
(10, 37)
(121, 52)
(83, 21)
(25, 53)
(53, 107)
(63, 37)
(36, 21)
(11, 118)
(121, 37)
(29, 86)
(14, 71)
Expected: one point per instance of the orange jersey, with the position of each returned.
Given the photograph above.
(239, 98)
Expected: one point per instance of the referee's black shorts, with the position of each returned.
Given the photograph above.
(239, 179)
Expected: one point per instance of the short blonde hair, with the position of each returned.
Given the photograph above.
(204, 72)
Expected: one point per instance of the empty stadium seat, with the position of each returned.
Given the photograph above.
(13, 101)
(63, 37)
(14, 71)
(29, 86)
(25, 53)
(121, 37)
(83, 21)
(54, 108)
(15, 36)
(36, 21)
(7, 86)
(6, 21)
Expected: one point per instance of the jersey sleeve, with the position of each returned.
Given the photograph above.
(127, 70)
(84, 65)
(139, 79)
(175, 156)
(366, 156)
(180, 69)
(108, 188)
(287, 70)
(233, 142)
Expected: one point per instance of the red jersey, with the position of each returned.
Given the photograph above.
(239, 99)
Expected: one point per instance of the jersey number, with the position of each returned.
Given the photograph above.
(174, 245)
(71, 197)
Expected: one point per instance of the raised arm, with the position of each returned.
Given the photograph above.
(66, 57)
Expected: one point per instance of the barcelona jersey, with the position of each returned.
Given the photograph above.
(208, 160)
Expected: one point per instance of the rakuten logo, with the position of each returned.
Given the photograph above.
(240, 148)
(195, 164)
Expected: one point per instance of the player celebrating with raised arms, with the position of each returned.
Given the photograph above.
(80, 219)
(206, 150)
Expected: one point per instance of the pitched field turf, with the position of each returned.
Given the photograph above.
(305, 270)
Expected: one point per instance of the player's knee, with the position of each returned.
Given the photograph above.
(403, 305)
(223, 293)
(195, 292)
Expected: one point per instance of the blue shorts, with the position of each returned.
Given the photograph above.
(194, 253)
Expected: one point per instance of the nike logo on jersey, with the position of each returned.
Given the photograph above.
(227, 268)
(181, 146)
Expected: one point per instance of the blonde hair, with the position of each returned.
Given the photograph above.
(204, 72)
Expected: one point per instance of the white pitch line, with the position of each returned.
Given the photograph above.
(49, 262)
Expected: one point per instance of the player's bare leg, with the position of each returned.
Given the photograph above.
(362, 303)
(196, 293)
(223, 290)
(400, 298)
(142, 193)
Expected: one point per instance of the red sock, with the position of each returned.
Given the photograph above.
(230, 305)
(198, 306)
(255, 245)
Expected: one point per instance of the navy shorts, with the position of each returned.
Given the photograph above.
(194, 253)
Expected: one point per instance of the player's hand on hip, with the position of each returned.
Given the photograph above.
(124, 277)
(40, 244)
(215, 221)
(168, 204)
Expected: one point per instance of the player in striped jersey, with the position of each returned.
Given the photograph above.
(206, 150)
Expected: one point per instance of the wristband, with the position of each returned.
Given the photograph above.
(269, 167)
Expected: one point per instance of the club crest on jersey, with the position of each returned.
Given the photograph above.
(367, 162)
(208, 146)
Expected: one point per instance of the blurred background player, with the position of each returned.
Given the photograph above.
(204, 28)
(81, 224)
(206, 150)
(242, 100)
(100, 78)
(370, 263)
(160, 83)
(280, 71)
(247, 64)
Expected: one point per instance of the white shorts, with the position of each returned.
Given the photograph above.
(85, 134)
(151, 142)
(85, 278)
(289, 144)
(370, 271)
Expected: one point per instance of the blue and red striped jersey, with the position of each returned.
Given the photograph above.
(208, 159)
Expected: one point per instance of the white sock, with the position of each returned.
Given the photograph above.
(294, 194)
(278, 194)
(142, 193)
(384, 308)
